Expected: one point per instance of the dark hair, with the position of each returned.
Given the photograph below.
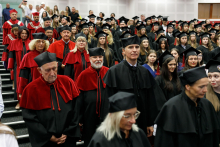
(165, 74)
(43, 13)
(68, 9)
(202, 61)
(187, 65)
(20, 31)
(166, 45)
(103, 15)
(113, 14)
(175, 49)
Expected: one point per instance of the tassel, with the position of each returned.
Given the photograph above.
(175, 41)
(135, 31)
(106, 40)
(160, 23)
(151, 20)
(95, 29)
(155, 37)
(152, 28)
(200, 41)
(158, 68)
(183, 61)
(181, 28)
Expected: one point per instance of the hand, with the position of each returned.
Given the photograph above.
(80, 124)
(62, 66)
(10, 69)
(150, 131)
(54, 139)
(62, 139)
(19, 95)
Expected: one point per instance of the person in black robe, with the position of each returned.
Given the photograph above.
(217, 49)
(148, 24)
(162, 43)
(152, 35)
(176, 39)
(119, 128)
(128, 76)
(169, 34)
(213, 37)
(49, 109)
(91, 94)
(188, 119)
(198, 29)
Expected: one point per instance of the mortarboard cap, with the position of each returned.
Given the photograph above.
(156, 24)
(99, 18)
(162, 38)
(184, 23)
(165, 18)
(153, 17)
(144, 37)
(108, 19)
(45, 57)
(85, 25)
(213, 31)
(216, 24)
(97, 51)
(204, 35)
(131, 40)
(170, 25)
(134, 18)
(191, 21)
(160, 30)
(54, 16)
(46, 18)
(192, 33)
(101, 34)
(92, 16)
(202, 22)
(78, 20)
(106, 26)
(84, 19)
(125, 29)
(189, 52)
(66, 27)
(148, 18)
(125, 34)
(91, 24)
(72, 25)
(213, 66)
(81, 34)
(39, 36)
(179, 22)
(67, 18)
(48, 28)
(197, 25)
(208, 26)
(181, 35)
(141, 26)
(176, 33)
(159, 16)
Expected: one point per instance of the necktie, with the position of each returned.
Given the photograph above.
(66, 50)
(83, 61)
(24, 50)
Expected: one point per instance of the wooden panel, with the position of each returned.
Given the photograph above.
(204, 11)
(216, 11)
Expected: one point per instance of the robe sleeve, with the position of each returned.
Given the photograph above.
(79, 104)
(11, 59)
(24, 79)
(37, 133)
(69, 70)
(144, 138)
(59, 65)
(5, 53)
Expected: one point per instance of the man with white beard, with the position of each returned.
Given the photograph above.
(91, 85)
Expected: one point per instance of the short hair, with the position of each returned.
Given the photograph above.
(74, 7)
(20, 31)
(37, 5)
(89, 11)
(142, 15)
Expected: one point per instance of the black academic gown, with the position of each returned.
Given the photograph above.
(110, 58)
(142, 59)
(171, 39)
(216, 51)
(120, 56)
(168, 94)
(207, 55)
(151, 35)
(148, 28)
(135, 139)
(181, 124)
(149, 97)
(214, 44)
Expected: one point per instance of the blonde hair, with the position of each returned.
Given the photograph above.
(110, 38)
(88, 35)
(190, 28)
(107, 52)
(61, 12)
(210, 47)
(194, 44)
(111, 125)
(139, 32)
(47, 9)
(55, 24)
(84, 39)
(142, 47)
(32, 44)
(212, 97)
(9, 130)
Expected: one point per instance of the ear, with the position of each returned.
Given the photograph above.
(187, 87)
(39, 70)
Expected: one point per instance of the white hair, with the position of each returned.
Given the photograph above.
(111, 125)
(32, 44)
(93, 64)
(81, 38)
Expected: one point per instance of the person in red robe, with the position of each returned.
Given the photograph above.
(34, 25)
(28, 67)
(91, 93)
(62, 47)
(18, 49)
(49, 34)
(77, 60)
(49, 106)
(7, 25)
(47, 23)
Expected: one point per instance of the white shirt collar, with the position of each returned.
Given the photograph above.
(132, 65)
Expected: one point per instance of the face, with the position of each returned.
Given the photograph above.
(192, 25)
(55, 7)
(186, 28)
(90, 12)
(143, 31)
(122, 25)
(105, 30)
(112, 22)
(192, 61)
(47, 23)
(74, 30)
(214, 79)
(142, 17)
(183, 39)
(200, 57)
(193, 37)
(165, 23)
(132, 51)
(37, 8)
(66, 34)
(108, 22)
(199, 29)
(86, 31)
(153, 20)
(24, 35)
(15, 32)
(126, 123)
(64, 21)
(92, 20)
(44, 14)
(163, 45)
(152, 58)
(145, 43)
(207, 21)
(49, 33)
(30, 7)
(91, 28)
(7, 5)
(100, 15)
(175, 54)
(102, 40)
(73, 10)
(36, 18)
(49, 71)
(170, 30)
(98, 21)
(13, 16)
(205, 40)
(171, 65)
(198, 89)
(81, 44)
(40, 45)
(203, 26)
(156, 28)
(212, 35)
(56, 19)
(148, 22)
(96, 61)
(217, 27)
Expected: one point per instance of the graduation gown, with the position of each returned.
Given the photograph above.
(28, 70)
(75, 63)
(152, 36)
(135, 139)
(148, 29)
(206, 54)
(216, 51)
(7, 27)
(90, 100)
(149, 97)
(142, 59)
(32, 27)
(110, 58)
(49, 109)
(55, 33)
(181, 124)
(181, 49)
(120, 56)
(153, 73)
(170, 39)
(17, 52)
(168, 94)
(59, 47)
(114, 48)
(214, 44)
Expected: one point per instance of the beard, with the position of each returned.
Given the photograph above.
(94, 64)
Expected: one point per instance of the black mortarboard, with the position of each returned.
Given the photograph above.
(85, 25)
(195, 19)
(216, 57)
(176, 33)
(124, 21)
(161, 38)
(144, 37)
(124, 28)
(138, 22)
(97, 51)
(39, 36)
(101, 34)
(153, 17)
(92, 16)
(67, 18)
(173, 21)
(78, 20)
(191, 21)
(156, 24)
(179, 22)
(141, 26)
(213, 66)
(131, 40)
(165, 18)
(72, 25)
(99, 18)
(202, 22)
(91, 24)
(21, 28)
(14, 25)
(112, 18)
(216, 24)
(170, 25)
(54, 16)
(204, 35)
(181, 35)
(121, 101)
(148, 18)
(45, 57)
(208, 26)
(106, 26)
(108, 19)
(66, 27)
(160, 30)
(59, 29)
(184, 23)
(48, 28)
(81, 34)
(192, 33)
(122, 18)
(213, 31)
(84, 19)
(192, 75)
(46, 18)
(136, 17)
(125, 34)
(159, 16)
(197, 25)
(189, 52)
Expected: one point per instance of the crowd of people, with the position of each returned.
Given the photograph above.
(114, 82)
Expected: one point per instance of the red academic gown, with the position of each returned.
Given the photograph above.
(50, 109)
(75, 63)
(90, 99)
(55, 33)
(28, 70)
(51, 40)
(32, 27)
(16, 54)
(7, 26)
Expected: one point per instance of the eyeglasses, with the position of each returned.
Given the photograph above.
(40, 41)
(129, 117)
